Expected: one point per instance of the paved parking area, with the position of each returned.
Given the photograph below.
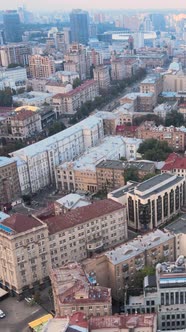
(18, 315)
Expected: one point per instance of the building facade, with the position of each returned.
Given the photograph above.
(15, 53)
(155, 201)
(79, 24)
(102, 76)
(25, 123)
(41, 66)
(12, 26)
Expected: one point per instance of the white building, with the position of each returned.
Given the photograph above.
(67, 76)
(14, 78)
(33, 98)
(42, 157)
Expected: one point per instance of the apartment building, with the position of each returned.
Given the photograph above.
(58, 87)
(67, 76)
(117, 267)
(153, 84)
(41, 66)
(9, 181)
(117, 68)
(175, 137)
(154, 201)
(30, 245)
(24, 254)
(126, 131)
(141, 101)
(102, 76)
(111, 173)
(73, 292)
(175, 164)
(109, 122)
(137, 322)
(81, 174)
(42, 157)
(25, 123)
(15, 53)
(68, 103)
(75, 60)
(79, 233)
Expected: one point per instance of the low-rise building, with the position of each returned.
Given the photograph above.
(55, 87)
(141, 101)
(154, 201)
(73, 292)
(33, 98)
(117, 268)
(175, 137)
(67, 76)
(111, 173)
(69, 103)
(70, 202)
(25, 123)
(136, 322)
(175, 164)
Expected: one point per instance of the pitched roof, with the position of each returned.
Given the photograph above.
(174, 161)
(23, 115)
(21, 223)
(76, 90)
(123, 321)
(80, 215)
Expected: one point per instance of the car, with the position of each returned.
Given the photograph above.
(2, 314)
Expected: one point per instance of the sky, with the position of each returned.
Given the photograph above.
(94, 4)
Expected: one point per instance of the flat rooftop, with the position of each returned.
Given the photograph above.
(178, 226)
(4, 161)
(122, 165)
(137, 246)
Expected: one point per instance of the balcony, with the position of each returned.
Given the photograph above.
(95, 244)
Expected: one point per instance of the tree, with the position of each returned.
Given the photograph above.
(55, 128)
(148, 176)
(138, 280)
(148, 117)
(6, 97)
(175, 119)
(76, 82)
(152, 149)
(131, 174)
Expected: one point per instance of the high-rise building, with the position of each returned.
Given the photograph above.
(79, 22)
(41, 66)
(12, 26)
(14, 53)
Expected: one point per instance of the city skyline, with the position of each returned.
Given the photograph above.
(84, 4)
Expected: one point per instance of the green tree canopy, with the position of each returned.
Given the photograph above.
(175, 119)
(131, 174)
(6, 97)
(139, 278)
(148, 117)
(55, 128)
(76, 82)
(152, 149)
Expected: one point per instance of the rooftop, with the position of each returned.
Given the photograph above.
(72, 201)
(22, 115)
(4, 161)
(19, 223)
(138, 245)
(122, 165)
(73, 286)
(174, 161)
(123, 321)
(123, 190)
(150, 79)
(76, 90)
(178, 226)
(80, 215)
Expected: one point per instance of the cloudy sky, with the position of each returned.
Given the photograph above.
(94, 4)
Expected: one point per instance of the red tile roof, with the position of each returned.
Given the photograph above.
(21, 223)
(78, 319)
(174, 161)
(80, 215)
(23, 115)
(123, 321)
(75, 91)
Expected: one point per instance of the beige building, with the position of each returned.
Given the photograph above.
(73, 292)
(24, 254)
(15, 53)
(175, 82)
(139, 101)
(9, 181)
(25, 123)
(102, 76)
(75, 60)
(116, 268)
(58, 87)
(68, 103)
(153, 84)
(117, 68)
(154, 201)
(125, 322)
(41, 66)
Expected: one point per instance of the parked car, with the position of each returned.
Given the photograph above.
(2, 314)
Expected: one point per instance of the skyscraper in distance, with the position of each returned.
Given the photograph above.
(12, 26)
(79, 23)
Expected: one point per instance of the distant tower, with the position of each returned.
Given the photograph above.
(12, 26)
(79, 23)
(147, 24)
(131, 43)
